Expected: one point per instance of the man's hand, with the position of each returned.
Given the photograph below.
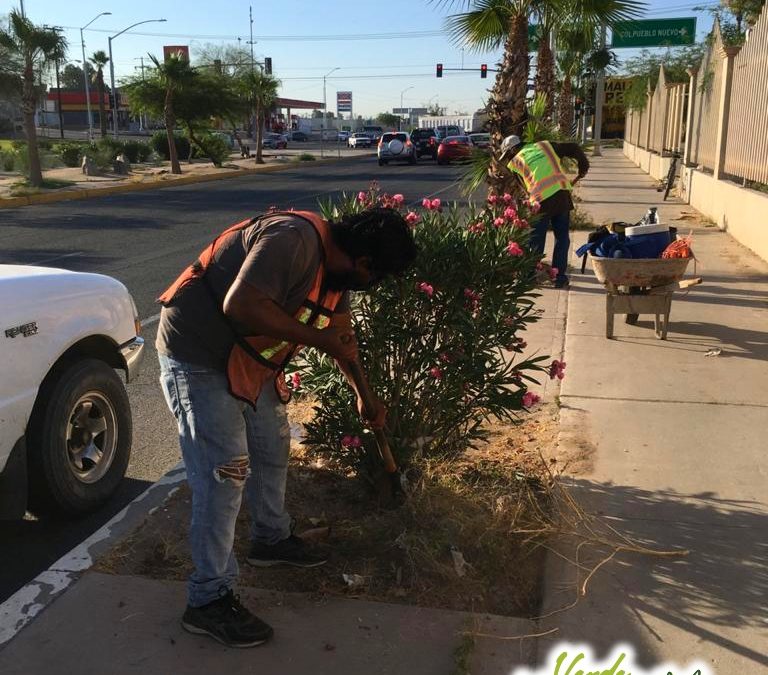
(380, 417)
(339, 343)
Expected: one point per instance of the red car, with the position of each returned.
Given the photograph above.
(453, 148)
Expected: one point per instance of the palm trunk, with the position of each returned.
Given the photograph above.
(259, 134)
(565, 107)
(507, 111)
(170, 125)
(544, 82)
(102, 111)
(29, 103)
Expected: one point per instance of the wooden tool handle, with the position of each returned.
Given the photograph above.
(361, 383)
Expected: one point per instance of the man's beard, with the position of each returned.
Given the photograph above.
(344, 281)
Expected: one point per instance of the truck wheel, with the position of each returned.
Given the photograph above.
(79, 438)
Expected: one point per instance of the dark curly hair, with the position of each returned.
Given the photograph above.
(380, 234)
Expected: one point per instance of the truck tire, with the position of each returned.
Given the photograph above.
(79, 438)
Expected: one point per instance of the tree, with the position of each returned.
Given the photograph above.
(572, 46)
(25, 51)
(434, 110)
(260, 91)
(490, 24)
(72, 76)
(232, 60)
(100, 59)
(388, 120)
(644, 70)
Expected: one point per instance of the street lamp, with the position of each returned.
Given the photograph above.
(325, 111)
(113, 102)
(401, 102)
(85, 74)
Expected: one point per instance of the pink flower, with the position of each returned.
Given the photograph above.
(518, 345)
(510, 213)
(445, 357)
(507, 198)
(498, 222)
(295, 381)
(436, 204)
(530, 399)
(476, 228)
(426, 203)
(473, 299)
(492, 199)
(535, 206)
(553, 272)
(513, 248)
(398, 199)
(557, 370)
(362, 196)
(351, 442)
(436, 372)
(425, 288)
(520, 224)
(412, 218)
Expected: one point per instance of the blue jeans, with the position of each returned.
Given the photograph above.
(560, 223)
(227, 446)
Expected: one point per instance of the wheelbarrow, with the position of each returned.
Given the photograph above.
(641, 286)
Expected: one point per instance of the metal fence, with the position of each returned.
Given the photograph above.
(746, 147)
(726, 131)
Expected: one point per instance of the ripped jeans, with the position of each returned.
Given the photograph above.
(227, 447)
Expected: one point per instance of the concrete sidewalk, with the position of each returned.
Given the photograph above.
(678, 445)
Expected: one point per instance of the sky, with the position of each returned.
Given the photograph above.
(306, 39)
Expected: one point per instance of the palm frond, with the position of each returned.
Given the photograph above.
(476, 173)
(483, 28)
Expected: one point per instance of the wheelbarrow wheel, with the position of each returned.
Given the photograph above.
(631, 319)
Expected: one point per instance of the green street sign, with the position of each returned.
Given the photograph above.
(654, 33)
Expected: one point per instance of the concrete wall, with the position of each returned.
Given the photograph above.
(650, 162)
(736, 210)
(739, 211)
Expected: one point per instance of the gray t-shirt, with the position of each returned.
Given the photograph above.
(278, 255)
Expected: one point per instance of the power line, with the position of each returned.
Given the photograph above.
(402, 35)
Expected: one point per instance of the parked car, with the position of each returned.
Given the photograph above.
(480, 140)
(396, 146)
(299, 136)
(374, 131)
(422, 141)
(454, 148)
(359, 140)
(274, 141)
(343, 136)
(65, 420)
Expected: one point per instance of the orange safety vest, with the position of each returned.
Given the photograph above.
(255, 359)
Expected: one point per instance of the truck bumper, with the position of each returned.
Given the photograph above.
(133, 356)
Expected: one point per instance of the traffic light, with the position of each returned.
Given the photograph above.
(439, 71)
(483, 71)
(268, 65)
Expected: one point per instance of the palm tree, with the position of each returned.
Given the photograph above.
(573, 43)
(26, 50)
(260, 90)
(175, 74)
(99, 60)
(489, 24)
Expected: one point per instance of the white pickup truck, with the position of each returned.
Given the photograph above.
(65, 420)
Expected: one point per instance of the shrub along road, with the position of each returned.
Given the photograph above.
(145, 239)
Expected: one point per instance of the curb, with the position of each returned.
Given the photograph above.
(30, 600)
(69, 195)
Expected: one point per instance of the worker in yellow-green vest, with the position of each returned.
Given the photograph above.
(539, 168)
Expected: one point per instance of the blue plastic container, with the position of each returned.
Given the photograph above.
(647, 241)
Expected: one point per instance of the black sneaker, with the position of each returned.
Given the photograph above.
(562, 283)
(290, 551)
(227, 621)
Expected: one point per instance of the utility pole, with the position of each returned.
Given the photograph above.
(250, 16)
(58, 95)
(599, 95)
(85, 75)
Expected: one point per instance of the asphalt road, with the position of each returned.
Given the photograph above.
(145, 239)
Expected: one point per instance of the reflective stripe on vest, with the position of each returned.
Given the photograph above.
(541, 170)
(255, 359)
